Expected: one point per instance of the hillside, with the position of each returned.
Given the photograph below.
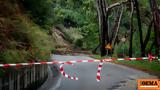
(21, 39)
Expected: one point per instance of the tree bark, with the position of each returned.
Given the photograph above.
(116, 28)
(131, 29)
(103, 25)
(136, 4)
(117, 4)
(148, 34)
(156, 20)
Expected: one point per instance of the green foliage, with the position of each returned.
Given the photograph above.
(98, 57)
(53, 50)
(66, 16)
(12, 56)
(121, 49)
(81, 15)
(144, 65)
(37, 38)
(40, 11)
(73, 33)
(79, 42)
(20, 37)
(79, 22)
(90, 36)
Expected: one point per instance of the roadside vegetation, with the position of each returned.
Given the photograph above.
(138, 30)
(145, 65)
(82, 16)
(21, 39)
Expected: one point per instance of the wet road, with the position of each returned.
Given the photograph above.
(114, 77)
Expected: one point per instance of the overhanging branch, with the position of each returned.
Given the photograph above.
(116, 4)
(116, 27)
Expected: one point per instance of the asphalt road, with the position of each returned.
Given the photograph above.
(114, 77)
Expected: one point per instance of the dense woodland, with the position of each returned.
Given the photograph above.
(128, 27)
(140, 22)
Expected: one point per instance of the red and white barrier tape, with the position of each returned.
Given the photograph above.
(78, 61)
(150, 58)
(98, 78)
(44, 62)
(66, 75)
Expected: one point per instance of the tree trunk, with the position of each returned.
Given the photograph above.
(148, 34)
(131, 29)
(116, 27)
(156, 20)
(102, 13)
(136, 4)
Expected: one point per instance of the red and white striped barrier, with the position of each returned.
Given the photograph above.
(66, 75)
(98, 77)
(150, 58)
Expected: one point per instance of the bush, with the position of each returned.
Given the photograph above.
(121, 50)
(23, 40)
(39, 40)
(12, 56)
(71, 34)
(40, 11)
(79, 42)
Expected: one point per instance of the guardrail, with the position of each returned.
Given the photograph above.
(24, 78)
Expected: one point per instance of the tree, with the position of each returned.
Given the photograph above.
(131, 28)
(116, 26)
(103, 25)
(41, 12)
(103, 13)
(136, 4)
(156, 20)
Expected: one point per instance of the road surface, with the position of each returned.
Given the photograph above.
(114, 77)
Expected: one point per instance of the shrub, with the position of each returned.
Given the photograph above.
(40, 11)
(79, 42)
(121, 50)
(23, 34)
(11, 56)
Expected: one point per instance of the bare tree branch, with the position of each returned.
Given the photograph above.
(116, 26)
(116, 4)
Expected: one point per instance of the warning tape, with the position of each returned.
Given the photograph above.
(44, 62)
(68, 62)
(66, 75)
(98, 77)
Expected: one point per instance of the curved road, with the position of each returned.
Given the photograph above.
(114, 77)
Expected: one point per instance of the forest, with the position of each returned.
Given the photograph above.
(125, 27)
(119, 28)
